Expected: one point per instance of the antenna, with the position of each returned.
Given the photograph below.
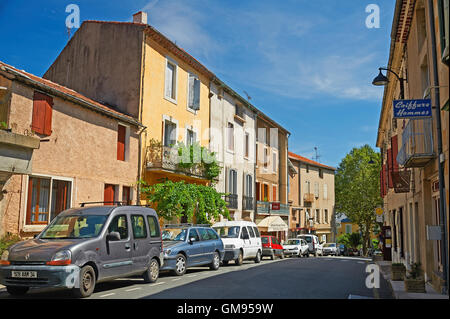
(317, 156)
(248, 96)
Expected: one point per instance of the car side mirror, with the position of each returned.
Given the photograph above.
(113, 236)
(192, 240)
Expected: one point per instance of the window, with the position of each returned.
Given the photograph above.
(232, 181)
(109, 194)
(230, 135)
(250, 230)
(348, 229)
(42, 114)
(249, 185)
(325, 191)
(120, 225)
(191, 137)
(121, 142)
(443, 13)
(239, 111)
(274, 137)
(203, 234)
(138, 226)
(244, 232)
(256, 231)
(246, 145)
(193, 92)
(317, 216)
(266, 157)
(326, 216)
(212, 234)
(320, 173)
(126, 195)
(47, 198)
(170, 133)
(274, 162)
(171, 81)
(256, 155)
(274, 193)
(316, 189)
(193, 234)
(153, 226)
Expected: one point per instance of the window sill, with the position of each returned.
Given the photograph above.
(171, 100)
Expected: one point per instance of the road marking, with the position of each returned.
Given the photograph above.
(190, 276)
(107, 295)
(158, 283)
(176, 279)
(137, 288)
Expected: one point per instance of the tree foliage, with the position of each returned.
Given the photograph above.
(197, 203)
(357, 187)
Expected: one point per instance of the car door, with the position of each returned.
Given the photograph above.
(155, 236)
(207, 246)
(246, 245)
(194, 250)
(140, 243)
(257, 239)
(253, 242)
(116, 258)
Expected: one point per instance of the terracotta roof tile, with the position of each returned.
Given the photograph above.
(308, 161)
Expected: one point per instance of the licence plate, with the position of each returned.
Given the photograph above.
(24, 274)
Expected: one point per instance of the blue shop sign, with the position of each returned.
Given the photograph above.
(412, 108)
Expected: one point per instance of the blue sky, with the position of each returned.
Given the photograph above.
(307, 64)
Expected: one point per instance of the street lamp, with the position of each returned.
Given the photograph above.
(381, 80)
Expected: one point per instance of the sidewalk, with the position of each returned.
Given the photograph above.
(398, 287)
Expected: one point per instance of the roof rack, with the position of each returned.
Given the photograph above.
(185, 225)
(111, 202)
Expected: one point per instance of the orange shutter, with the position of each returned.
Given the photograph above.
(108, 197)
(42, 114)
(274, 193)
(389, 168)
(121, 143)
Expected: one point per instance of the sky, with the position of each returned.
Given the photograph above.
(307, 64)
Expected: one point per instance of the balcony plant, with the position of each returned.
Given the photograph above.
(414, 281)
(398, 271)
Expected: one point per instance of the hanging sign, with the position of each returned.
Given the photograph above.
(412, 108)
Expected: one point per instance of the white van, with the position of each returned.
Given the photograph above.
(241, 240)
(315, 247)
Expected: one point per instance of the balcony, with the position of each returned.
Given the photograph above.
(308, 198)
(166, 158)
(247, 203)
(232, 201)
(417, 143)
(271, 208)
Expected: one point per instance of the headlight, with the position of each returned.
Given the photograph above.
(61, 258)
(4, 258)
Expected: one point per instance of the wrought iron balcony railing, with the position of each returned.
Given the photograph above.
(247, 203)
(232, 201)
(417, 143)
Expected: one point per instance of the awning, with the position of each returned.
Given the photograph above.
(272, 223)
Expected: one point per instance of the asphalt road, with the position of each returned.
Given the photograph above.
(290, 278)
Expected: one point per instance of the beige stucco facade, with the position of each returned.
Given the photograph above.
(80, 152)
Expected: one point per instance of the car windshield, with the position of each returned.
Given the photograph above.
(265, 240)
(74, 226)
(308, 239)
(293, 242)
(329, 245)
(176, 234)
(228, 231)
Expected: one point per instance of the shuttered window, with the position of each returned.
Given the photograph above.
(193, 92)
(42, 114)
(109, 194)
(121, 133)
(170, 81)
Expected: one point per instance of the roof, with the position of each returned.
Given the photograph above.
(65, 93)
(308, 161)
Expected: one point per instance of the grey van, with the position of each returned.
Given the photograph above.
(86, 245)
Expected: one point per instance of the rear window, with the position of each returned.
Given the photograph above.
(265, 240)
(256, 231)
(308, 239)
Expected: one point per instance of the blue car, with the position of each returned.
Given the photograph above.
(188, 245)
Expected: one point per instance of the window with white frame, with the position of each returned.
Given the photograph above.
(325, 191)
(193, 92)
(170, 84)
(170, 133)
(249, 185)
(191, 136)
(274, 162)
(316, 189)
(247, 145)
(232, 181)
(230, 137)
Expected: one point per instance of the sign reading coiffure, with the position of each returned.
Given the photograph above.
(412, 108)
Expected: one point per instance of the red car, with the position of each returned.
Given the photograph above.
(271, 247)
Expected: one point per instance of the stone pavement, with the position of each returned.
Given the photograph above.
(398, 287)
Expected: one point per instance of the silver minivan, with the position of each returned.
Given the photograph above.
(83, 246)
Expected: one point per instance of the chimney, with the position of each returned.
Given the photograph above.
(140, 17)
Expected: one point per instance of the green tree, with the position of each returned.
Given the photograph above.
(352, 240)
(185, 201)
(357, 187)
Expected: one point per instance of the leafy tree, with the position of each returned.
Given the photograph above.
(352, 240)
(189, 202)
(357, 187)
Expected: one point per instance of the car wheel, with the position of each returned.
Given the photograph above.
(216, 261)
(180, 265)
(238, 261)
(152, 273)
(17, 290)
(87, 282)
(258, 257)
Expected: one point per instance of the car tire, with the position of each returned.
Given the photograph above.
(216, 261)
(258, 257)
(238, 261)
(152, 273)
(86, 282)
(17, 290)
(180, 265)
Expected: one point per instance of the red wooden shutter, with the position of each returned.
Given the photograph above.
(389, 168)
(394, 143)
(121, 143)
(48, 115)
(274, 193)
(42, 114)
(108, 197)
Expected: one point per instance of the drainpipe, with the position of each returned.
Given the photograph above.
(441, 158)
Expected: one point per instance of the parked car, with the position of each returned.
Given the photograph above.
(343, 250)
(84, 246)
(271, 247)
(188, 245)
(296, 247)
(330, 249)
(315, 247)
(241, 240)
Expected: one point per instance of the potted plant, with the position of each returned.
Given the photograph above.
(414, 281)
(398, 271)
